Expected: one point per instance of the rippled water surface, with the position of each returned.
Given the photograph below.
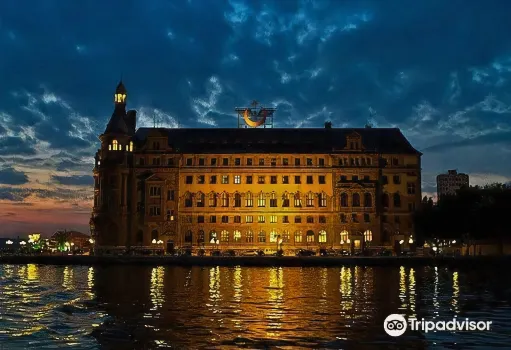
(121, 307)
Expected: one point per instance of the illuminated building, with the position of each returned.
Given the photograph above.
(246, 188)
(451, 182)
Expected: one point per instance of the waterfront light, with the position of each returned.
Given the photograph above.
(9, 242)
(348, 241)
(91, 241)
(342, 241)
(454, 241)
(153, 241)
(410, 240)
(435, 249)
(160, 242)
(401, 241)
(23, 242)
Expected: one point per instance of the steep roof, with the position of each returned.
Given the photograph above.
(278, 140)
(117, 123)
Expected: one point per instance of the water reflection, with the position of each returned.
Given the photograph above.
(143, 307)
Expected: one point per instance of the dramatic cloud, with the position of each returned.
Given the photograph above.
(11, 176)
(423, 67)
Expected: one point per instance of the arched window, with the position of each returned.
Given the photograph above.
(397, 200)
(344, 237)
(250, 237)
(273, 236)
(310, 236)
(368, 236)
(322, 199)
(212, 236)
(344, 200)
(200, 199)
(237, 236)
(298, 237)
(298, 200)
(200, 236)
(322, 236)
(188, 200)
(262, 237)
(273, 200)
(249, 200)
(309, 200)
(385, 200)
(127, 149)
(212, 199)
(285, 236)
(285, 200)
(188, 237)
(368, 200)
(131, 146)
(261, 200)
(237, 200)
(356, 200)
(224, 236)
(115, 145)
(225, 199)
(154, 235)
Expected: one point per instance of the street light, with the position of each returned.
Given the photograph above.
(401, 241)
(410, 240)
(153, 241)
(9, 242)
(91, 241)
(454, 241)
(23, 243)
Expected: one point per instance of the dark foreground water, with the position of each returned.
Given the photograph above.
(123, 307)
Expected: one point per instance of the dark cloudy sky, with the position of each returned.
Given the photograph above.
(439, 70)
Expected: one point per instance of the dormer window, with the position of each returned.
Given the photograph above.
(354, 141)
(120, 98)
(115, 145)
(131, 146)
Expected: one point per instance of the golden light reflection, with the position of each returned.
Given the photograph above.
(157, 286)
(237, 284)
(402, 287)
(412, 292)
(275, 300)
(68, 277)
(32, 272)
(346, 290)
(90, 282)
(455, 293)
(436, 303)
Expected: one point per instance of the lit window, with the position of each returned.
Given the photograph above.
(261, 201)
(237, 236)
(237, 179)
(260, 219)
(224, 236)
(249, 200)
(225, 200)
(344, 237)
(225, 179)
(273, 219)
(368, 236)
(310, 199)
(322, 236)
(298, 236)
(298, 200)
(250, 237)
(249, 219)
(131, 146)
(115, 145)
(273, 236)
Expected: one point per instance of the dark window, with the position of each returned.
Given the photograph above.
(237, 161)
(237, 219)
(297, 161)
(202, 161)
(260, 179)
(298, 219)
(309, 161)
(322, 179)
(225, 219)
(261, 161)
(273, 162)
(237, 200)
(356, 200)
(411, 188)
(189, 161)
(285, 219)
(310, 220)
(385, 200)
(273, 180)
(354, 217)
(397, 200)
(354, 178)
(285, 179)
(249, 179)
(212, 179)
(189, 180)
(213, 161)
(368, 200)
(285, 161)
(212, 219)
(297, 180)
(309, 180)
(396, 179)
(344, 200)
(322, 219)
(367, 218)
(249, 161)
(170, 161)
(201, 179)
(342, 217)
(344, 178)
(156, 161)
(384, 180)
(200, 219)
(321, 161)
(225, 161)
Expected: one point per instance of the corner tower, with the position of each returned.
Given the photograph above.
(110, 222)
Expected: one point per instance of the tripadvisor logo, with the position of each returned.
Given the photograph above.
(396, 325)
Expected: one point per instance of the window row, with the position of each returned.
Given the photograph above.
(258, 161)
(248, 219)
(274, 236)
(250, 179)
(116, 146)
(260, 200)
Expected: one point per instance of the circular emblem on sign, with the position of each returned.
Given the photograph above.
(254, 118)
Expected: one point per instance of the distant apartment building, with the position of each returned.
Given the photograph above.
(451, 182)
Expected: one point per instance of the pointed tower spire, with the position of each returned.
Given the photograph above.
(117, 122)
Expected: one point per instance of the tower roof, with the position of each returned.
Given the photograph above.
(120, 89)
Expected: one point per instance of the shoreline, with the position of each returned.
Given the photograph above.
(287, 261)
